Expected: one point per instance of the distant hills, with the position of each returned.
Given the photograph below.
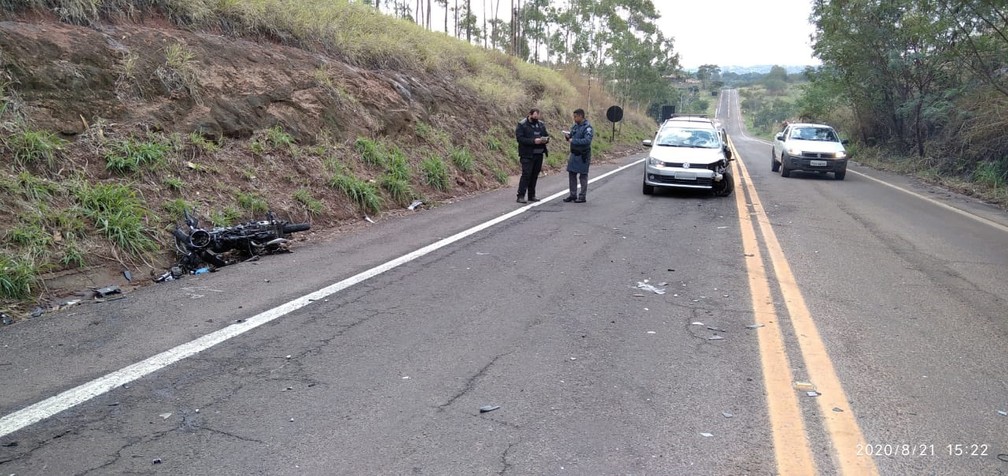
(762, 69)
(757, 69)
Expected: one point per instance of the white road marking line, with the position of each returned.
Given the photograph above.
(932, 201)
(80, 394)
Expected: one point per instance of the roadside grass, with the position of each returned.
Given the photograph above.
(34, 147)
(132, 154)
(360, 192)
(173, 183)
(310, 203)
(371, 153)
(118, 214)
(176, 208)
(203, 144)
(463, 160)
(500, 175)
(18, 276)
(252, 203)
(32, 238)
(226, 216)
(399, 190)
(983, 182)
(279, 138)
(34, 188)
(398, 166)
(435, 173)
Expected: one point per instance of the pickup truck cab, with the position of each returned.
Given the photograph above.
(809, 148)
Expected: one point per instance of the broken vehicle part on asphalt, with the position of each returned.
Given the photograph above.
(201, 248)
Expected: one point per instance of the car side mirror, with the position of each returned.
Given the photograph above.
(844, 141)
(646, 142)
(779, 136)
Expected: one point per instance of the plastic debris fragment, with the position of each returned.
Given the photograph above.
(706, 435)
(165, 416)
(648, 287)
(107, 290)
(414, 205)
(804, 386)
(368, 219)
(727, 415)
(488, 408)
(754, 326)
(715, 338)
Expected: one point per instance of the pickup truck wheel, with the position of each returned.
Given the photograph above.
(774, 165)
(840, 174)
(647, 189)
(784, 170)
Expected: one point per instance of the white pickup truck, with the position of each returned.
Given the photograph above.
(809, 148)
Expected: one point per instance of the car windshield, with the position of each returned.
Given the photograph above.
(678, 137)
(823, 134)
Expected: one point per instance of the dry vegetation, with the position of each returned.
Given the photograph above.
(104, 198)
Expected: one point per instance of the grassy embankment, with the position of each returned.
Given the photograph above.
(71, 218)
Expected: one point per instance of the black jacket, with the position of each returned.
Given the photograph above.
(526, 133)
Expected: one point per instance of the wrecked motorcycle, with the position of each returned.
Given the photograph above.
(219, 246)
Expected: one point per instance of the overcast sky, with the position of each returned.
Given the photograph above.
(721, 32)
(738, 32)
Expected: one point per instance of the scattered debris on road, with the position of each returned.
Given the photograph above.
(754, 326)
(414, 205)
(488, 408)
(804, 386)
(106, 291)
(7, 320)
(706, 435)
(652, 288)
(727, 415)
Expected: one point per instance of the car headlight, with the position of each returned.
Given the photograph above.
(793, 151)
(654, 162)
(841, 154)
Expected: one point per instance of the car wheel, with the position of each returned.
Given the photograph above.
(774, 165)
(725, 186)
(784, 170)
(647, 189)
(840, 174)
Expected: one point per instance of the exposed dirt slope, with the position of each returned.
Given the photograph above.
(221, 103)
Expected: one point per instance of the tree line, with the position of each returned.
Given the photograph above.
(615, 42)
(929, 77)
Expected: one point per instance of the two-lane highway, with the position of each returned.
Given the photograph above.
(670, 334)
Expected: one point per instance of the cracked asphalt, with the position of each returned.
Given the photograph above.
(543, 316)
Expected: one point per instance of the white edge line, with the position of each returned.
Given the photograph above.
(985, 221)
(80, 394)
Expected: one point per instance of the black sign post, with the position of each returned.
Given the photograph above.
(614, 114)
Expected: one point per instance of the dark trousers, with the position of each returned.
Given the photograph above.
(573, 178)
(531, 166)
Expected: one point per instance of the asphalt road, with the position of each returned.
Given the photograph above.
(886, 300)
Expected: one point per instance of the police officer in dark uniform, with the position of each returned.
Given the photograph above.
(532, 139)
(580, 138)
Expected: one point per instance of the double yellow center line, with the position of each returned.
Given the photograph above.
(790, 438)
